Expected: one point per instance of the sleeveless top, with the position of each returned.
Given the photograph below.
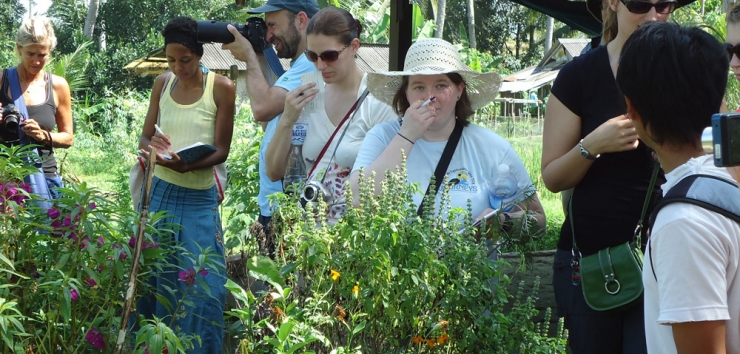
(187, 125)
(45, 115)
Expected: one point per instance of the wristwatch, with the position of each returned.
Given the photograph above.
(587, 155)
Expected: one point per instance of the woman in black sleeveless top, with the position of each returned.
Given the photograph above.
(590, 145)
(46, 95)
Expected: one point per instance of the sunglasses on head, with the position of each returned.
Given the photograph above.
(327, 56)
(732, 49)
(643, 7)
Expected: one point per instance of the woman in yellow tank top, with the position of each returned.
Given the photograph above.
(190, 105)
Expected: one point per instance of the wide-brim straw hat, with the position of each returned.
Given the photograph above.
(594, 7)
(433, 56)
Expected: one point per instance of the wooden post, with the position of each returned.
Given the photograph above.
(143, 217)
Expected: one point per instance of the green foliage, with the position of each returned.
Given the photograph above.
(382, 280)
(11, 12)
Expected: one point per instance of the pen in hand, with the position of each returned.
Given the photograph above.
(430, 100)
(158, 129)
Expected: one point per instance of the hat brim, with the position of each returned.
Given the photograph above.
(264, 9)
(594, 7)
(482, 88)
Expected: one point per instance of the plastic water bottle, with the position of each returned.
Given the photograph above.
(503, 189)
(295, 172)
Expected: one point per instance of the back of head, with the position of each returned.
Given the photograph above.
(183, 30)
(675, 78)
(332, 21)
(36, 30)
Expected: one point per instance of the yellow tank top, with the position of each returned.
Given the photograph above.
(187, 125)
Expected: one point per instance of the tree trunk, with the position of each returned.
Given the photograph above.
(549, 29)
(441, 8)
(518, 39)
(92, 17)
(703, 5)
(471, 24)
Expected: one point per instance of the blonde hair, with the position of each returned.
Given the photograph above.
(36, 30)
(610, 26)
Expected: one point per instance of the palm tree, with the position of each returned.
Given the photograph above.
(72, 67)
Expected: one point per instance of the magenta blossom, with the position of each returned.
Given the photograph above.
(95, 338)
(122, 256)
(187, 276)
(92, 205)
(53, 213)
(91, 282)
(101, 241)
(203, 272)
(74, 294)
(85, 241)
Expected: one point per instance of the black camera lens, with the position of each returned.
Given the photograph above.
(309, 193)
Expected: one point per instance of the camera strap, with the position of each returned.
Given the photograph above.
(331, 138)
(274, 61)
(444, 162)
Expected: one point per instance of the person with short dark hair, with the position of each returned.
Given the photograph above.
(286, 21)
(191, 105)
(333, 37)
(673, 79)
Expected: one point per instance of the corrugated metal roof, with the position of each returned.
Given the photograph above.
(370, 58)
(574, 46)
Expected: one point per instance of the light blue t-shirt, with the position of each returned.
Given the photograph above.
(289, 81)
(471, 169)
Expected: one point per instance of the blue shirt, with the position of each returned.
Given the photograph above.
(289, 81)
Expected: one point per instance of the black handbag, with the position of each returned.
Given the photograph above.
(611, 279)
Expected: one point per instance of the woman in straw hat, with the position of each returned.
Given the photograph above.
(590, 144)
(433, 68)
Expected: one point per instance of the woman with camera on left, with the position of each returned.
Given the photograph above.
(46, 96)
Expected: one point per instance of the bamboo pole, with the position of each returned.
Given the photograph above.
(143, 217)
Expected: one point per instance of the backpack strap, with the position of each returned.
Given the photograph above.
(707, 191)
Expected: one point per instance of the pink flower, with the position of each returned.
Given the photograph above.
(122, 256)
(132, 242)
(67, 221)
(95, 338)
(74, 294)
(101, 241)
(92, 205)
(187, 276)
(53, 213)
(91, 282)
(85, 241)
(203, 272)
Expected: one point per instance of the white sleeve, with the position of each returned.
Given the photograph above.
(376, 140)
(689, 257)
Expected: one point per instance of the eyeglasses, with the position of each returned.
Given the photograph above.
(327, 56)
(643, 7)
(732, 49)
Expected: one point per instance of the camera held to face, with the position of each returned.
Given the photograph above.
(10, 121)
(314, 191)
(254, 30)
(722, 139)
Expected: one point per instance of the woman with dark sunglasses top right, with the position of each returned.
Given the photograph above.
(336, 132)
(590, 145)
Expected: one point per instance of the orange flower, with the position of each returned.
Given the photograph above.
(334, 274)
(444, 338)
(277, 314)
(417, 340)
(430, 343)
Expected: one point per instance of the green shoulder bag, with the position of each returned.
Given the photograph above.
(612, 278)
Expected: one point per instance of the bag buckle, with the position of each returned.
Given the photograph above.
(575, 264)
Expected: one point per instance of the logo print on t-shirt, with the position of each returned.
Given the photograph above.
(461, 181)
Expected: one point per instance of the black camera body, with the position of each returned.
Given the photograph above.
(254, 30)
(722, 139)
(10, 120)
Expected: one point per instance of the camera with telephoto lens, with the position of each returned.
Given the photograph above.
(314, 191)
(722, 139)
(10, 120)
(254, 30)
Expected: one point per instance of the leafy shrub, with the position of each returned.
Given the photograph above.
(384, 281)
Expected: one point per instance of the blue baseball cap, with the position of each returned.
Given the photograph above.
(310, 7)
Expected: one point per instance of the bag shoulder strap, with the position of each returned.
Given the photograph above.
(444, 162)
(331, 138)
(707, 191)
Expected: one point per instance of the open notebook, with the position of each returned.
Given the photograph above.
(193, 152)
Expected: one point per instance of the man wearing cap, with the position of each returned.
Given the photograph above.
(286, 31)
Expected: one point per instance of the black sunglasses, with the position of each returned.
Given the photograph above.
(732, 49)
(643, 7)
(327, 56)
